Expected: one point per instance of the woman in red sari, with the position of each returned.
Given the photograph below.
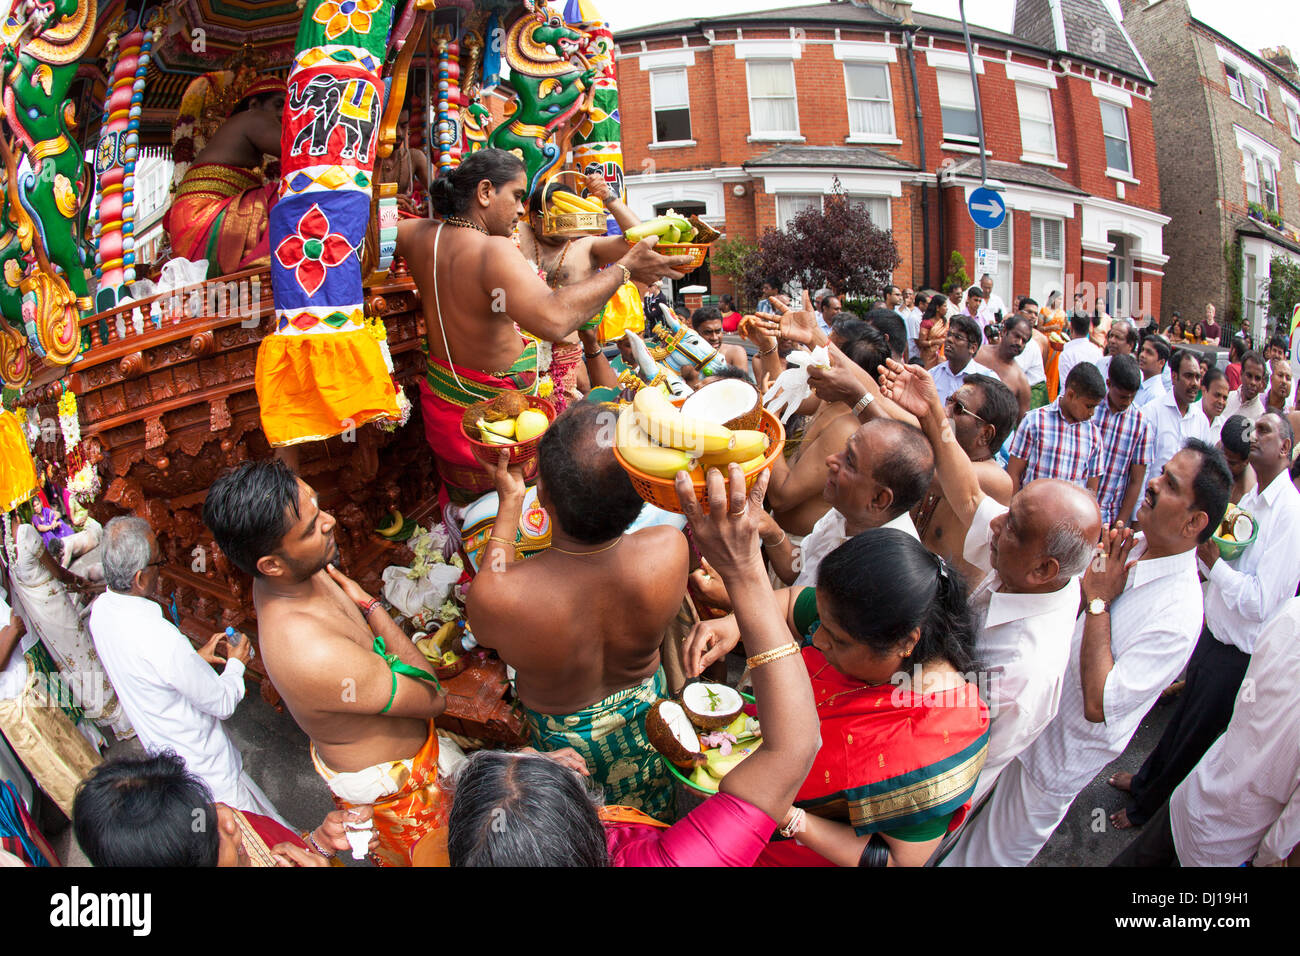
(904, 734)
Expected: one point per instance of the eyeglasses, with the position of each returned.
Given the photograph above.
(959, 408)
(156, 564)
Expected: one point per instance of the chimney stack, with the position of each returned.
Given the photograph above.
(898, 9)
(1280, 58)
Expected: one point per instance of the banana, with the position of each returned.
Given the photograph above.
(668, 426)
(681, 222)
(654, 227)
(749, 444)
(591, 203)
(643, 454)
(393, 526)
(486, 434)
(567, 202)
(672, 235)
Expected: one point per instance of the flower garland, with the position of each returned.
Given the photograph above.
(11, 538)
(391, 425)
(68, 421)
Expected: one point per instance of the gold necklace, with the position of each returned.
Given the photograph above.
(580, 553)
(851, 690)
(465, 224)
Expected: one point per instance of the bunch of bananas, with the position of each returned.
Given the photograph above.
(669, 228)
(567, 202)
(654, 437)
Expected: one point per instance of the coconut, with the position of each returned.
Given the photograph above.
(507, 404)
(670, 732)
(1243, 526)
(711, 706)
(728, 402)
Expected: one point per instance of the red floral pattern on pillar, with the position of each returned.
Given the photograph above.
(312, 248)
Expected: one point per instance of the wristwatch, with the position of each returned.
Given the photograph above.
(1097, 606)
(863, 403)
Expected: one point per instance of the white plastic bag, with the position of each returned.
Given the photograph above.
(791, 386)
(411, 596)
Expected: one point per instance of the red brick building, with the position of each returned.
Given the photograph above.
(746, 119)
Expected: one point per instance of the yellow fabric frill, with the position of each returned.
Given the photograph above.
(312, 387)
(17, 472)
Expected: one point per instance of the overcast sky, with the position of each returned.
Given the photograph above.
(1252, 23)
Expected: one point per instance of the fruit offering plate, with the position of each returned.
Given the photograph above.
(488, 444)
(1235, 533)
(699, 749)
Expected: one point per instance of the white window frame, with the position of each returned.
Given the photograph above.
(1268, 185)
(654, 127)
(1004, 282)
(1051, 119)
(1041, 262)
(1259, 98)
(1236, 85)
(783, 220)
(963, 78)
(889, 208)
(1250, 170)
(889, 136)
(780, 135)
(1292, 109)
(1102, 106)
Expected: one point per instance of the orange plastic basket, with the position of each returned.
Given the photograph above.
(662, 492)
(696, 250)
(522, 453)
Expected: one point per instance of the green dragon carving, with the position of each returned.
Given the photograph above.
(45, 181)
(548, 88)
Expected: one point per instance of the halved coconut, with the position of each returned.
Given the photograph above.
(728, 402)
(670, 732)
(1243, 527)
(711, 706)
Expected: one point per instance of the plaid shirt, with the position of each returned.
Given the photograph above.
(1127, 439)
(1055, 448)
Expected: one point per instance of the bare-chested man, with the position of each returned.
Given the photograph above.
(404, 166)
(562, 262)
(353, 681)
(582, 622)
(1000, 356)
(983, 413)
(222, 206)
(476, 288)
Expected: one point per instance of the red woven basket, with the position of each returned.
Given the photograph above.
(522, 453)
(662, 492)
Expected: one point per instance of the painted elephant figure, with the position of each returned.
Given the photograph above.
(351, 105)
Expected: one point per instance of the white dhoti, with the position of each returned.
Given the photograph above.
(1017, 819)
(249, 797)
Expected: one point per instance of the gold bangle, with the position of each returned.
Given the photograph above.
(627, 273)
(773, 655)
(776, 542)
(500, 540)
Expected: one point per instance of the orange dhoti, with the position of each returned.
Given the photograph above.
(410, 807)
(221, 214)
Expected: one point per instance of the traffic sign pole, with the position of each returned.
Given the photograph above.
(974, 82)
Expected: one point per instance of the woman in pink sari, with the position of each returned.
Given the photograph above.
(535, 810)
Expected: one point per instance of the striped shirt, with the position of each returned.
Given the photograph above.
(1126, 440)
(1056, 448)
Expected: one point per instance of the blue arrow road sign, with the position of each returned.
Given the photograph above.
(986, 208)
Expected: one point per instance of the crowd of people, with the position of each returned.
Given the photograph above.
(985, 554)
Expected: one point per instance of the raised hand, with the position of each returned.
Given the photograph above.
(1108, 572)
(910, 386)
(709, 642)
(727, 536)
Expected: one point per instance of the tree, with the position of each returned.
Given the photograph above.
(1283, 293)
(731, 258)
(956, 277)
(834, 245)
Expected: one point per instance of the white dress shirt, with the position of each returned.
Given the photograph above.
(175, 700)
(1021, 643)
(1074, 352)
(1154, 624)
(947, 381)
(1030, 361)
(1151, 390)
(1172, 429)
(1251, 409)
(1215, 427)
(827, 535)
(1245, 592)
(13, 676)
(1243, 798)
(912, 321)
